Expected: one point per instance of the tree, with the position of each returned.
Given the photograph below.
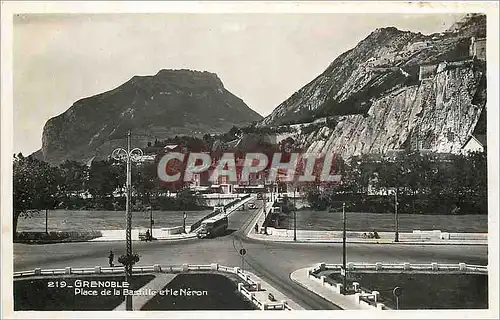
(187, 200)
(73, 178)
(145, 181)
(104, 178)
(35, 187)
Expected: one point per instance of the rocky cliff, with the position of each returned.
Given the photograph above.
(172, 102)
(395, 89)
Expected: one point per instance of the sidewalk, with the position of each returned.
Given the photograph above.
(432, 237)
(158, 234)
(158, 283)
(266, 288)
(344, 302)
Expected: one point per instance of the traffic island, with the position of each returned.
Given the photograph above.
(81, 293)
(245, 285)
(385, 286)
(421, 290)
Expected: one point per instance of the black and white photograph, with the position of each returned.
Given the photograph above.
(249, 159)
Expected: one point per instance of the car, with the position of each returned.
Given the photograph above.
(252, 206)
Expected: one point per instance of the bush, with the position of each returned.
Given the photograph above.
(56, 236)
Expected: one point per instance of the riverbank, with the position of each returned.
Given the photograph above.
(75, 220)
(308, 219)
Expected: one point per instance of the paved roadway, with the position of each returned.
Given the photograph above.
(272, 261)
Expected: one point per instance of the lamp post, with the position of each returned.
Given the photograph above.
(396, 235)
(344, 251)
(151, 222)
(46, 222)
(184, 222)
(121, 154)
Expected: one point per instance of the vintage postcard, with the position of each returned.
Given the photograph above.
(291, 160)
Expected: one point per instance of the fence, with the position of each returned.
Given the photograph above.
(379, 266)
(248, 287)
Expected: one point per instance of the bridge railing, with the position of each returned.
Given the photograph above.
(227, 209)
(248, 287)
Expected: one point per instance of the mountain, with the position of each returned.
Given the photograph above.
(172, 102)
(395, 90)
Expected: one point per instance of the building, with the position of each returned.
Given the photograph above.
(476, 142)
(174, 148)
(477, 48)
(427, 71)
(148, 158)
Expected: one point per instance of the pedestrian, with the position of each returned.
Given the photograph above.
(111, 258)
(148, 235)
(256, 228)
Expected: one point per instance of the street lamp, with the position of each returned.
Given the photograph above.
(151, 221)
(396, 235)
(294, 215)
(184, 222)
(344, 272)
(121, 154)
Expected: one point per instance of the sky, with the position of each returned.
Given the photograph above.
(263, 58)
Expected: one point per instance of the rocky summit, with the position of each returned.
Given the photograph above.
(172, 102)
(395, 90)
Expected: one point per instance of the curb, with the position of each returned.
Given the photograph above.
(156, 240)
(336, 241)
(249, 234)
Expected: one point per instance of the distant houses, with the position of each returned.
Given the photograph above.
(477, 48)
(427, 71)
(476, 143)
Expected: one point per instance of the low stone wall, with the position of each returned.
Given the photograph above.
(416, 235)
(169, 231)
(119, 234)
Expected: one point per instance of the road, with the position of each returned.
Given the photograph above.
(269, 260)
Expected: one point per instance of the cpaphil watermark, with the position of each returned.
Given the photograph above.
(241, 168)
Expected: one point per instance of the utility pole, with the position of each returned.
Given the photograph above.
(396, 235)
(294, 216)
(344, 282)
(151, 222)
(184, 222)
(46, 221)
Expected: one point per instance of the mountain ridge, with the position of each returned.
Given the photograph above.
(388, 63)
(169, 103)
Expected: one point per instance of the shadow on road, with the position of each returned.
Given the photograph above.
(228, 232)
